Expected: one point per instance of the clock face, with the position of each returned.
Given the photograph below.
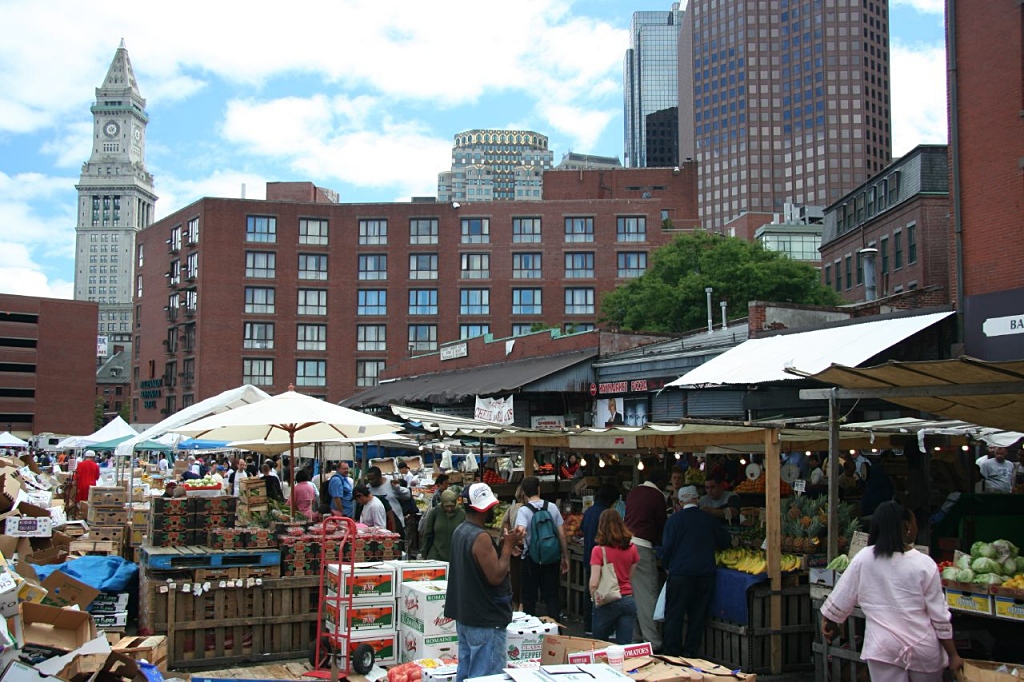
(111, 128)
(137, 134)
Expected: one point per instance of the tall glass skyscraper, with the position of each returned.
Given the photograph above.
(783, 102)
(651, 90)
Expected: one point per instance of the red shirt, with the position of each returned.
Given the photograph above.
(86, 475)
(622, 559)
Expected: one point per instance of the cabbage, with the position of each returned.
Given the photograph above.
(1020, 564)
(983, 549)
(963, 561)
(1009, 566)
(965, 576)
(1005, 549)
(988, 579)
(986, 565)
(949, 572)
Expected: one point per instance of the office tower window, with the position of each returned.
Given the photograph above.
(579, 265)
(526, 302)
(469, 331)
(261, 229)
(259, 300)
(423, 301)
(313, 231)
(258, 372)
(526, 266)
(371, 337)
(313, 266)
(422, 337)
(476, 266)
(423, 231)
(631, 229)
(525, 230)
(475, 302)
(423, 266)
(367, 372)
(579, 230)
(311, 337)
(579, 301)
(476, 230)
(631, 264)
(258, 335)
(373, 231)
(372, 302)
(373, 267)
(312, 302)
(311, 373)
(260, 264)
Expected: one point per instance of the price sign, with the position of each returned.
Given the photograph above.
(799, 486)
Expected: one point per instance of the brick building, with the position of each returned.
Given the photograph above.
(986, 137)
(47, 364)
(325, 296)
(903, 213)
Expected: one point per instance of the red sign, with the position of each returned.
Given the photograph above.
(593, 389)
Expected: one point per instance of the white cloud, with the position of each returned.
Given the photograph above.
(918, 96)
(923, 6)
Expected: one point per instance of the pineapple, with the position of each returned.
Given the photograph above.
(794, 512)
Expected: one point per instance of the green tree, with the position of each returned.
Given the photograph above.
(126, 411)
(97, 418)
(670, 296)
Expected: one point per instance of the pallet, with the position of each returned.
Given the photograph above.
(170, 558)
(95, 547)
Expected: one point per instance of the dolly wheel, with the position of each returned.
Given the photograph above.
(326, 652)
(362, 659)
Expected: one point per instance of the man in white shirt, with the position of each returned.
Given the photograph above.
(373, 513)
(411, 481)
(162, 465)
(997, 472)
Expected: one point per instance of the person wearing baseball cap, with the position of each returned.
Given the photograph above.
(480, 592)
(86, 474)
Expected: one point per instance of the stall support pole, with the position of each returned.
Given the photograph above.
(773, 510)
(528, 458)
(833, 475)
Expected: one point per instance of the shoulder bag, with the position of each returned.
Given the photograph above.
(608, 588)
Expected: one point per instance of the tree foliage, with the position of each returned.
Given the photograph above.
(670, 296)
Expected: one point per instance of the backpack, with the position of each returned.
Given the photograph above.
(545, 547)
(326, 503)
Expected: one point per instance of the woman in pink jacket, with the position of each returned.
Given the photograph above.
(908, 637)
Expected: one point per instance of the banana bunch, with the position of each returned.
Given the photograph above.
(753, 561)
(839, 563)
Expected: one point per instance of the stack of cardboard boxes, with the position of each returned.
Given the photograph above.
(107, 516)
(177, 521)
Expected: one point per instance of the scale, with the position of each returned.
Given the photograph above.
(753, 472)
(789, 473)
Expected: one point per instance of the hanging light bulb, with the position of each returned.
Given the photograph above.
(853, 452)
(678, 455)
(937, 448)
(600, 462)
(808, 453)
(583, 462)
(743, 460)
(640, 465)
(965, 448)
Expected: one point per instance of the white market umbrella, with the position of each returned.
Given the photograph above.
(291, 417)
(9, 440)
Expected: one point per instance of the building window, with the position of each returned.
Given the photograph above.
(525, 230)
(373, 267)
(423, 266)
(258, 335)
(839, 275)
(192, 266)
(372, 302)
(469, 331)
(175, 272)
(310, 372)
(261, 229)
(579, 230)
(911, 243)
(259, 300)
(577, 327)
(526, 266)
(526, 302)
(423, 231)
(172, 340)
(373, 232)
(476, 230)
(828, 276)
(174, 243)
(190, 337)
(476, 266)
(522, 329)
(872, 192)
(192, 235)
(311, 337)
(849, 272)
(475, 302)
(312, 302)
(312, 266)
(883, 249)
(579, 265)
(312, 231)
(367, 372)
(894, 187)
(260, 264)
(191, 301)
(371, 337)
(631, 229)
(140, 255)
(138, 286)
(860, 268)
(632, 264)
(579, 301)
(258, 372)
(897, 250)
(423, 301)
(422, 337)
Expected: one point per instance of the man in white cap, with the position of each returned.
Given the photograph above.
(480, 592)
(688, 555)
(86, 475)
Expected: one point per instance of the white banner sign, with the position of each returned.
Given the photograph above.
(496, 410)
(548, 422)
(1001, 326)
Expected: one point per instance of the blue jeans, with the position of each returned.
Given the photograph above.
(618, 617)
(482, 651)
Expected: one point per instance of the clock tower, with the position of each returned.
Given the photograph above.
(115, 200)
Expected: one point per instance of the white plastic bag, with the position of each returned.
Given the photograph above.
(659, 606)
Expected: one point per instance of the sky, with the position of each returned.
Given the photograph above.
(360, 96)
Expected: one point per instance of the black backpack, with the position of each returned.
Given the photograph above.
(325, 494)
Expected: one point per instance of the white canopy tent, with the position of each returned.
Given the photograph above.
(116, 428)
(9, 440)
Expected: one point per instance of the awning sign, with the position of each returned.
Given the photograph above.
(495, 410)
(1002, 326)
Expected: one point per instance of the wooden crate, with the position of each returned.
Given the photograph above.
(275, 620)
(573, 584)
(151, 649)
(747, 647)
(95, 547)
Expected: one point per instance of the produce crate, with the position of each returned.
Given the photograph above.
(275, 620)
(152, 649)
(747, 647)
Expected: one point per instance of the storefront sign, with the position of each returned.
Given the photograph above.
(632, 386)
(994, 325)
(495, 410)
(603, 442)
(458, 350)
(549, 422)
(1001, 326)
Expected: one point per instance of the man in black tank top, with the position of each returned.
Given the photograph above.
(479, 596)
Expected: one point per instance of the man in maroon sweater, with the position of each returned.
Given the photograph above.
(645, 519)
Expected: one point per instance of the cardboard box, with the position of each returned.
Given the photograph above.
(670, 668)
(970, 598)
(64, 629)
(107, 516)
(822, 576)
(601, 655)
(59, 588)
(107, 497)
(524, 638)
(175, 506)
(372, 580)
(363, 616)
(28, 527)
(442, 673)
(109, 602)
(1007, 603)
(421, 607)
(150, 649)
(385, 646)
(17, 671)
(419, 569)
(415, 645)
(988, 671)
(107, 621)
(213, 505)
(106, 534)
(119, 668)
(557, 648)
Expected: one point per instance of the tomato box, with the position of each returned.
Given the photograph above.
(363, 616)
(385, 645)
(176, 506)
(176, 522)
(419, 569)
(421, 607)
(414, 645)
(525, 638)
(227, 538)
(213, 505)
(371, 581)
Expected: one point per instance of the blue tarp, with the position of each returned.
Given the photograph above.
(730, 601)
(104, 573)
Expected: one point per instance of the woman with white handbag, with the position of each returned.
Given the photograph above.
(611, 569)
